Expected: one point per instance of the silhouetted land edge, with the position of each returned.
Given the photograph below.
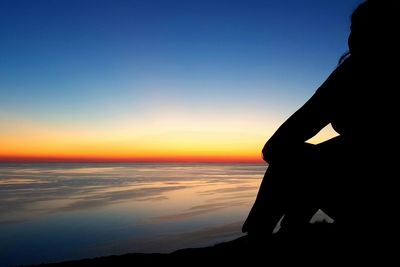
(318, 244)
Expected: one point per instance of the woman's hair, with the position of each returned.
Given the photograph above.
(374, 28)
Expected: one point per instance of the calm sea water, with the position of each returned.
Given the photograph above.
(57, 212)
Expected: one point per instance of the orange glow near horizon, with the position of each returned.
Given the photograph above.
(132, 151)
(205, 141)
(165, 147)
(175, 138)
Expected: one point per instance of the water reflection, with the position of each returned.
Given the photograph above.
(140, 207)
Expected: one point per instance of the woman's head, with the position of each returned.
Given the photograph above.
(375, 29)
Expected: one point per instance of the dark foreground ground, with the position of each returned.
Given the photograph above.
(318, 245)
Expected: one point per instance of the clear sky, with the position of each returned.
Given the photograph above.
(205, 80)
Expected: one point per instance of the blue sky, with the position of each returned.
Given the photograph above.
(105, 64)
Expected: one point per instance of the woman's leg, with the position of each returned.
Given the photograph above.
(294, 189)
(320, 183)
(267, 210)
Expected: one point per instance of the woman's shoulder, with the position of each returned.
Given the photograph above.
(338, 77)
(346, 67)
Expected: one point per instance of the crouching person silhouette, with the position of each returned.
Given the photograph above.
(343, 176)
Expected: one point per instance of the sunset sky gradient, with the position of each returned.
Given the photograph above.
(155, 80)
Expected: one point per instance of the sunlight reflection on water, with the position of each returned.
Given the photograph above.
(53, 212)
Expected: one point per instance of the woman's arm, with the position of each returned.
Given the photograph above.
(306, 122)
(292, 134)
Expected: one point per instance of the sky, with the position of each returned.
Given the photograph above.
(160, 80)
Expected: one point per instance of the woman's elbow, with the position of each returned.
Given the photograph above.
(266, 153)
(274, 151)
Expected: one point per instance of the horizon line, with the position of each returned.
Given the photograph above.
(32, 159)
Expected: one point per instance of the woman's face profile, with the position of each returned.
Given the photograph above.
(373, 33)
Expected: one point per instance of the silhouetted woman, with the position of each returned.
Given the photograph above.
(348, 177)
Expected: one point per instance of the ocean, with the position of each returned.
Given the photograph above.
(65, 211)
